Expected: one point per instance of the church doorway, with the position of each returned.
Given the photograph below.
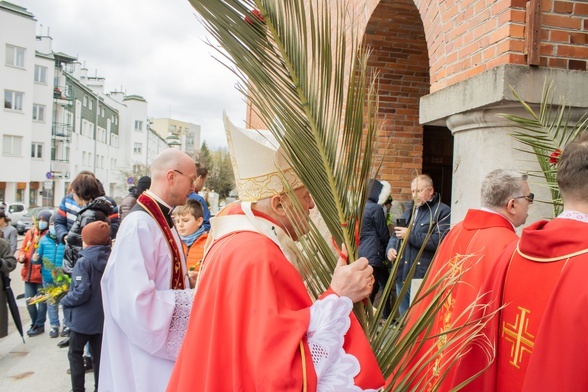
(438, 159)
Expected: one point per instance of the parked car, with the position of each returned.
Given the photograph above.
(26, 222)
(15, 211)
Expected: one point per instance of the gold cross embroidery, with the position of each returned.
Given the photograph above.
(522, 341)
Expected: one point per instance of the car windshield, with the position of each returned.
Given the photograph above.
(34, 211)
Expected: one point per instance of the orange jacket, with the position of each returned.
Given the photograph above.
(195, 252)
(31, 273)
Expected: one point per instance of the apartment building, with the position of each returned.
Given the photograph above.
(58, 121)
(179, 134)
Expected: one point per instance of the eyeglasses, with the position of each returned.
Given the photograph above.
(177, 171)
(530, 197)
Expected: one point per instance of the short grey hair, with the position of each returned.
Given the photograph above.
(499, 186)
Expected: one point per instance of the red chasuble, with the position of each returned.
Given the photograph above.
(247, 329)
(475, 243)
(540, 335)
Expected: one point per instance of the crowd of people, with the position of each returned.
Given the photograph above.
(162, 297)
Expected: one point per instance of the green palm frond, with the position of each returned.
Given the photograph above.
(302, 68)
(547, 131)
(307, 79)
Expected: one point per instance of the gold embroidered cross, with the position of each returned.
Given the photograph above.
(522, 341)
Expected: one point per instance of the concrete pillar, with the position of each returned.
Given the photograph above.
(483, 139)
(483, 142)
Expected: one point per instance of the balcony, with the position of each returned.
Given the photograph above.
(60, 169)
(61, 97)
(61, 132)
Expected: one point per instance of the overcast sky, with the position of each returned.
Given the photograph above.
(153, 48)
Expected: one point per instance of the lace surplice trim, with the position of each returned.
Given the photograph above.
(329, 322)
(179, 323)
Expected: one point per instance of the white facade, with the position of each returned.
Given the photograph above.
(57, 121)
(26, 81)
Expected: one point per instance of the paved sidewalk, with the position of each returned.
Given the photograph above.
(38, 364)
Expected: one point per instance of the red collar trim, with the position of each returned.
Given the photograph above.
(153, 209)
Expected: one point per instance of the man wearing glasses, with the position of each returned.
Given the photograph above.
(428, 226)
(471, 248)
(541, 284)
(145, 287)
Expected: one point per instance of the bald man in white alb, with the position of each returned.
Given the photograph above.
(145, 289)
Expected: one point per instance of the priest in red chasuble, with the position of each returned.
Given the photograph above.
(254, 327)
(540, 335)
(470, 249)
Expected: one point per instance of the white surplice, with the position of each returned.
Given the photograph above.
(144, 319)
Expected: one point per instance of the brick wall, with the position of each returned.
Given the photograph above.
(423, 46)
(396, 35)
(468, 37)
(458, 40)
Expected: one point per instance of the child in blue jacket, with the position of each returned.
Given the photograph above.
(51, 251)
(82, 306)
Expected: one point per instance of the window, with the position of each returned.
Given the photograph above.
(38, 112)
(11, 145)
(101, 137)
(87, 128)
(15, 56)
(90, 104)
(40, 74)
(85, 101)
(113, 140)
(137, 147)
(103, 112)
(84, 158)
(138, 125)
(36, 150)
(13, 100)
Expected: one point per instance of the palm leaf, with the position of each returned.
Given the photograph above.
(305, 74)
(294, 70)
(546, 132)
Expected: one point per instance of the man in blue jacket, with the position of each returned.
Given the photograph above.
(428, 220)
(202, 174)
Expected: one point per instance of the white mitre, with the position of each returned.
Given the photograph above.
(259, 164)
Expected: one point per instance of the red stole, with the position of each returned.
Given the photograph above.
(152, 208)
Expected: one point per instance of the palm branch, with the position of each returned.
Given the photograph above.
(301, 66)
(547, 132)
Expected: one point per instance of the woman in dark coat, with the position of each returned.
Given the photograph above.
(86, 192)
(374, 237)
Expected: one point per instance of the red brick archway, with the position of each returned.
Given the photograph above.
(400, 56)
